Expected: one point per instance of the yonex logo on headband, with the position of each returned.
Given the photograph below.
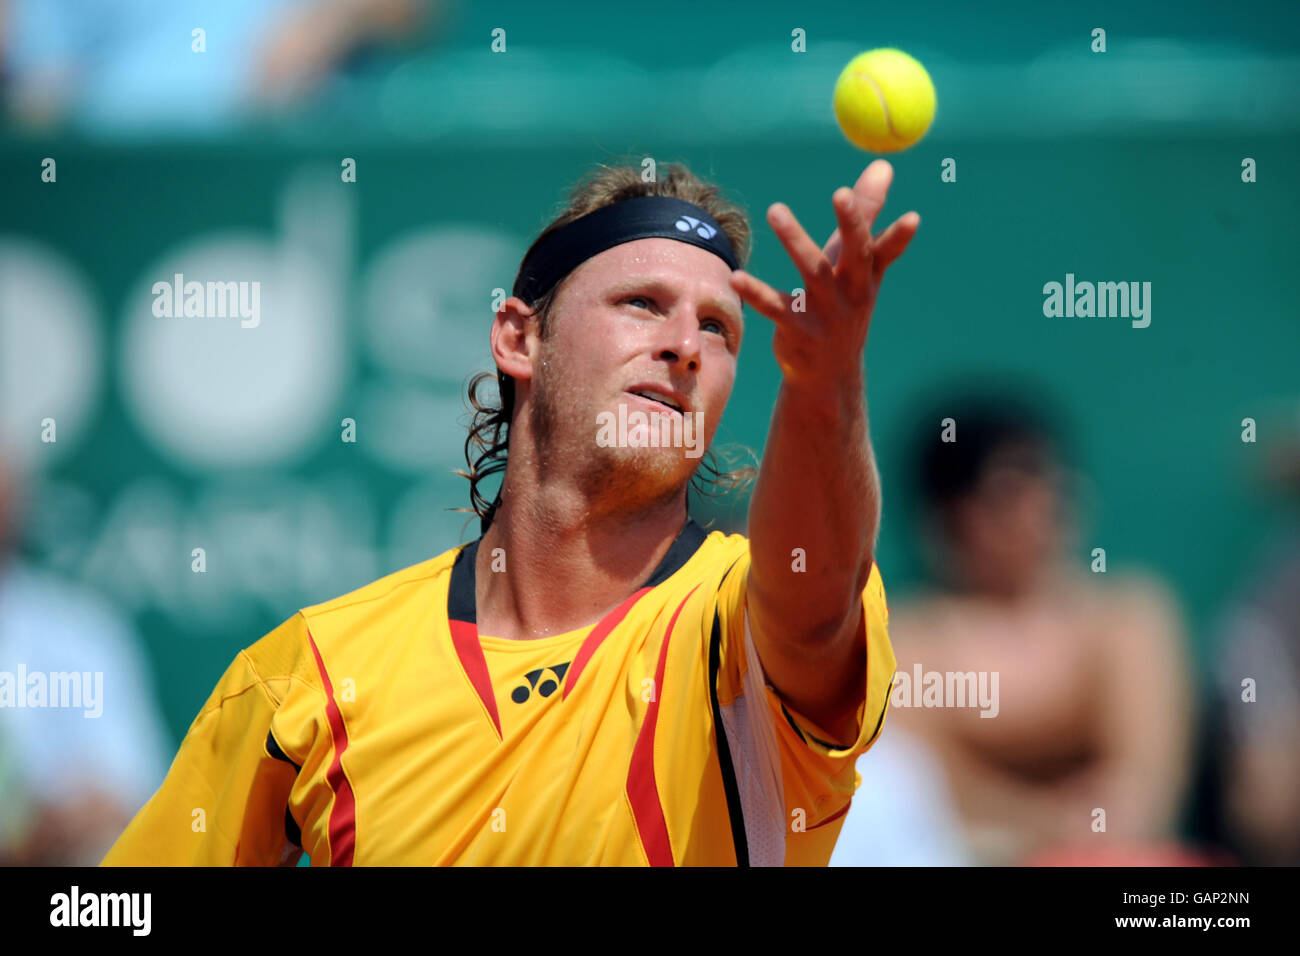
(687, 223)
(563, 249)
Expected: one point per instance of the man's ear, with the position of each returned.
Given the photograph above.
(511, 348)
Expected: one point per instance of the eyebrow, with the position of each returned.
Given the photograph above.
(660, 287)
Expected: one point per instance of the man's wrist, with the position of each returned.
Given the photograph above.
(829, 397)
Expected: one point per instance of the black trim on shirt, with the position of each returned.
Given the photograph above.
(461, 599)
(462, 595)
(291, 829)
(292, 832)
(729, 783)
(876, 733)
(687, 543)
(790, 720)
(827, 744)
(275, 750)
(809, 735)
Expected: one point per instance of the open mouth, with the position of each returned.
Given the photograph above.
(657, 398)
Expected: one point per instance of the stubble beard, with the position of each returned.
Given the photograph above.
(613, 479)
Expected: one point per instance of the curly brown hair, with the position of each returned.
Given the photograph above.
(488, 443)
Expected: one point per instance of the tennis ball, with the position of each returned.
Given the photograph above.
(884, 100)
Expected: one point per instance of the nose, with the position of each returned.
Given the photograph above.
(680, 343)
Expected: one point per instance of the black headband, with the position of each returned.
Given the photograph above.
(645, 217)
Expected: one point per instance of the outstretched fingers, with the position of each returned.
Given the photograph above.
(854, 268)
(807, 257)
(889, 245)
(760, 296)
(872, 188)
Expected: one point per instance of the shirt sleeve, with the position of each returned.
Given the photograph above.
(224, 801)
(817, 774)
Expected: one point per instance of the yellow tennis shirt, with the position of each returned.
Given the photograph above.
(380, 728)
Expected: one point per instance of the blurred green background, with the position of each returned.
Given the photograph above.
(178, 434)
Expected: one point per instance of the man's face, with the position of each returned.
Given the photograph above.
(1011, 527)
(653, 316)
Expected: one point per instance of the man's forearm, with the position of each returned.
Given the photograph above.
(817, 498)
(816, 509)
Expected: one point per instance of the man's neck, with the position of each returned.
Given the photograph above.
(546, 566)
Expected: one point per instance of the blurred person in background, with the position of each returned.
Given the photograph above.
(70, 780)
(129, 65)
(1093, 705)
(1258, 728)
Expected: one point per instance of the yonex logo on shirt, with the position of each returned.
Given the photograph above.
(547, 687)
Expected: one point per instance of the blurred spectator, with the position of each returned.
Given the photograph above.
(135, 64)
(1259, 745)
(71, 777)
(1092, 705)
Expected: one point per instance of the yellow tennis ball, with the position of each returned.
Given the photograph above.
(884, 100)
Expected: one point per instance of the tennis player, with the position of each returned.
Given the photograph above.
(595, 680)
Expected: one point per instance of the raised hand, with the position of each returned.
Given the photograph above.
(825, 333)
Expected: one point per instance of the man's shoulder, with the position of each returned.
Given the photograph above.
(719, 544)
(718, 553)
(395, 587)
(292, 648)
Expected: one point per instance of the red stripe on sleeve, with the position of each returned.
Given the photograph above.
(834, 816)
(343, 817)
